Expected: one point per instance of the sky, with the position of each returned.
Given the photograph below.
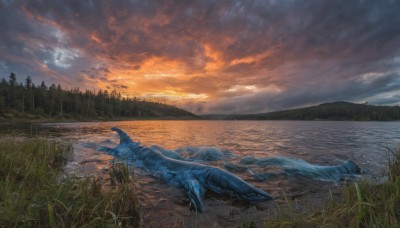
(220, 57)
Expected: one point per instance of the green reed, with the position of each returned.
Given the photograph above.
(35, 192)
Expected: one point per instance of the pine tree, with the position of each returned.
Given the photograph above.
(54, 100)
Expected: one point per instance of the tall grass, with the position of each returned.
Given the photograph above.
(364, 204)
(34, 193)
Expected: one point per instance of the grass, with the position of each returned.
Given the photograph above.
(34, 192)
(364, 204)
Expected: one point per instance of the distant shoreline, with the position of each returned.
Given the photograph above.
(72, 120)
(49, 120)
(336, 111)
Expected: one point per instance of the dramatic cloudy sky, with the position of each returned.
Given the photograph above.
(210, 56)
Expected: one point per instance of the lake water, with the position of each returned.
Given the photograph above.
(321, 142)
(317, 142)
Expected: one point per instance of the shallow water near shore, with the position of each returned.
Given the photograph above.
(317, 142)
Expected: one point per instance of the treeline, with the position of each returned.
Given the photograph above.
(327, 111)
(27, 99)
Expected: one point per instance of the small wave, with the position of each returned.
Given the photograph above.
(234, 168)
(248, 160)
(89, 145)
(108, 141)
(292, 166)
(168, 153)
(205, 153)
(104, 149)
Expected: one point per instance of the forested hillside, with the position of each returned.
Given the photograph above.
(327, 111)
(27, 100)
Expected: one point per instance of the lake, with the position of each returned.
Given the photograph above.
(322, 142)
(317, 142)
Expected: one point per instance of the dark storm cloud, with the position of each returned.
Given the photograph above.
(356, 90)
(267, 55)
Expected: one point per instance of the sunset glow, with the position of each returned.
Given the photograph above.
(209, 56)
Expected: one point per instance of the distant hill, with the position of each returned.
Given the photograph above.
(326, 111)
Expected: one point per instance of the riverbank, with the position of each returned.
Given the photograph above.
(28, 118)
(35, 192)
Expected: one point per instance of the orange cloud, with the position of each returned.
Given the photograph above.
(238, 56)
